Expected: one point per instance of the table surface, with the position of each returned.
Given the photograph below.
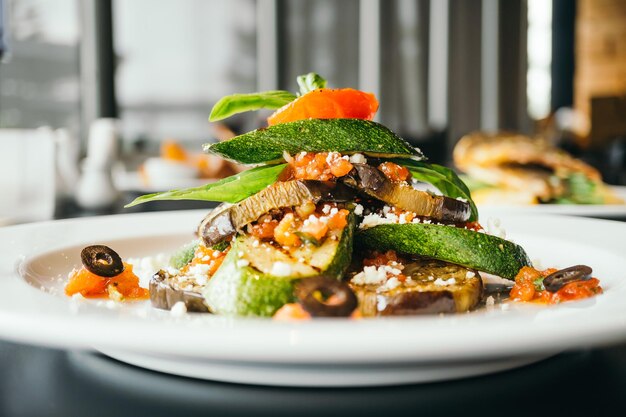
(37, 381)
(44, 382)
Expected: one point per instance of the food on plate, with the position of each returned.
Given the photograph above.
(391, 285)
(553, 286)
(330, 222)
(103, 275)
(509, 168)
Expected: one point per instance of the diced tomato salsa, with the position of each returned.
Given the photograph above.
(207, 256)
(90, 285)
(527, 288)
(394, 172)
(323, 166)
(389, 258)
(306, 222)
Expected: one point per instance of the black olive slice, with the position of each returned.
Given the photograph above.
(556, 280)
(102, 261)
(325, 297)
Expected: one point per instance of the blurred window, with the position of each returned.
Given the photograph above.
(539, 80)
(176, 58)
(39, 75)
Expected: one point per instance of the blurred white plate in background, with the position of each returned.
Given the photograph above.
(584, 210)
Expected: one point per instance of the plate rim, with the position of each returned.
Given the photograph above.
(296, 340)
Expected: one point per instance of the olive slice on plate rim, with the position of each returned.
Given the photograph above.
(325, 297)
(557, 280)
(101, 260)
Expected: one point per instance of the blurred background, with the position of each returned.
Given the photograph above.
(117, 83)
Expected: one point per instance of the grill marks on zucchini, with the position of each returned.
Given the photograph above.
(314, 135)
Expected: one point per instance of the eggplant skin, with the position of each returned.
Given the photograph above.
(164, 295)
(372, 182)
(227, 219)
(413, 303)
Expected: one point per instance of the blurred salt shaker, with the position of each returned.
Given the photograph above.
(95, 188)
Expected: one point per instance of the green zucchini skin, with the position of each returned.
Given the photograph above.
(238, 290)
(244, 291)
(448, 243)
(313, 135)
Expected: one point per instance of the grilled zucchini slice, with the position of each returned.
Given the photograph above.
(448, 243)
(249, 284)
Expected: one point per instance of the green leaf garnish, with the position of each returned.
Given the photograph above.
(581, 190)
(538, 283)
(309, 82)
(239, 103)
(230, 190)
(184, 254)
(221, 246)
(444, 179)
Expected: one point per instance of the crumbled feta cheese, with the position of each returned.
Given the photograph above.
(242, 262)
(331, 157)
(326, 209)
(390, 284)
(281, 269)
(114, 294)
(198, 270)
(179, 309)
(445, 282)
(464, 200)
(490, 301)
(358, 209)
(370, 275)
(145, 267)
(358, 158)
(470, 274)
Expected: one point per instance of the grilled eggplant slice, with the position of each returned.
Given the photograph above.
(227, 219)
(372, 182)
(434, 287)
(165, 291)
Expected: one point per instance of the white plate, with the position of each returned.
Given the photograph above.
(584, 210)
(36, 258)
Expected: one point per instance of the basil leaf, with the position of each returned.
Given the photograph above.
(239, 103)
(444, 179)
(231, 189)
(309, 82)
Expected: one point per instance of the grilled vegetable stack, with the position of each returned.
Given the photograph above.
(327, 180)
